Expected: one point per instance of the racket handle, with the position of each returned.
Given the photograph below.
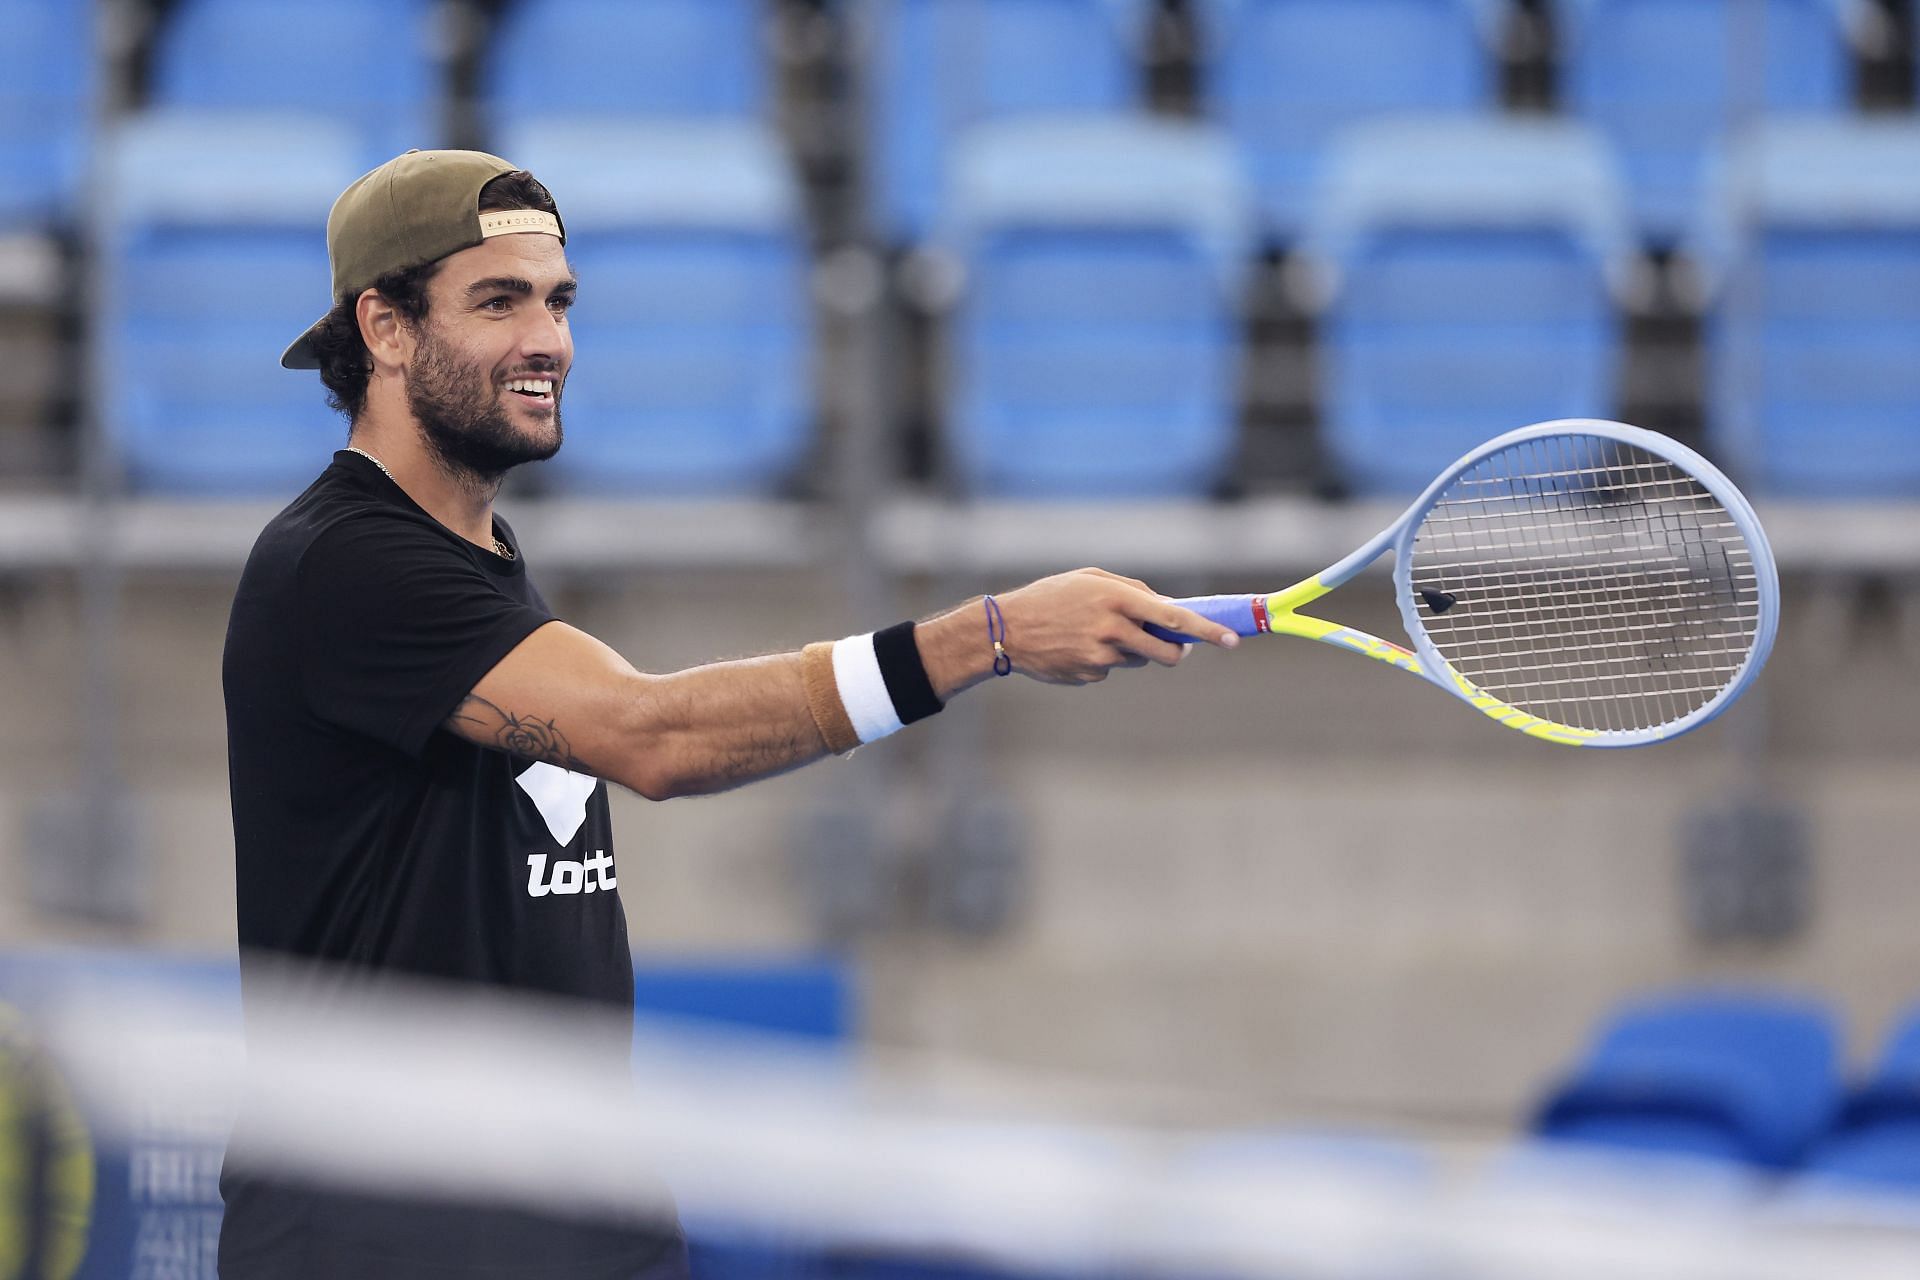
(1234, 612)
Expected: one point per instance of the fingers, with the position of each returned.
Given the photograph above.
(1105, 661)
(1144, 647)
(1072, 628)
(1173, 617)
(1187, 622)
(1166, 614)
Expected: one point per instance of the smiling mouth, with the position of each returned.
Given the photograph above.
(537, 391)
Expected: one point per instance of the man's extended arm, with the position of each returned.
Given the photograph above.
(564, 697)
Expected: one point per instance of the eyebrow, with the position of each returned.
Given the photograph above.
(519, 285)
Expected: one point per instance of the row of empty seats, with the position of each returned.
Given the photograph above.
(1750, 1081)
(1471, 266)
(1665, 81)
(1470, 272)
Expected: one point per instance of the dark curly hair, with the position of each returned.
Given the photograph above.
(345, 363)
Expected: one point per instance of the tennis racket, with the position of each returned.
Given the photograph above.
(1581, 581)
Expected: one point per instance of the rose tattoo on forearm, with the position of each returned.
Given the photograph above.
(528, 737)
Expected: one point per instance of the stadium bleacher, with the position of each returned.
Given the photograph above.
(1094, 350)
(370, 65)
(48, 86)
(1747, 1077)
(1740, 1095)
(1470, 271)
(47, 82)
(215, 259)
(694, 341)
(611, 58)
(1875, 1138)
(1286, 76)
(1814, 248)
(1307, 92)
(1670, 82)
(693, 330)
(935, 68)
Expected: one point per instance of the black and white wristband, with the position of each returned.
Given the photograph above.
(882, 682)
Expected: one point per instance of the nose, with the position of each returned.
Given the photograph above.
(545, 338)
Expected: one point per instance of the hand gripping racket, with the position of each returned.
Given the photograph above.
(1585, 582)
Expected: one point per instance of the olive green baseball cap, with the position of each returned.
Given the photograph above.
(414, 209)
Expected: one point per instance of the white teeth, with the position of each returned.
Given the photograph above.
(538, 386)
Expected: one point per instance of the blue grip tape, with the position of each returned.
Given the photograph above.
(1236, 613)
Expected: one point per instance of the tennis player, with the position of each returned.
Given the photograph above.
(420, 750)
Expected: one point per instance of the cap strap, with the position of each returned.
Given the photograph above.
(502, 222)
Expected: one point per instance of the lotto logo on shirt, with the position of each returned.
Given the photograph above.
(567, 876)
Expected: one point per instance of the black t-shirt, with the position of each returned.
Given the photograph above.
(369, 838)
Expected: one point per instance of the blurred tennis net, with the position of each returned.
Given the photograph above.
(457, 1095)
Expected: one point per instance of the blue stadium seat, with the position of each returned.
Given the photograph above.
(1875, 1141)
(1745, 1077)
(626, 58)
(1875, 1145)
(1285, 76)
(693, 332)
(1814, 382)
(938, 67)
(46, 91)
(1094, 349)
(1468, 269)
(368, 64)
(1667, 81)
(217, 260)
(808, 999)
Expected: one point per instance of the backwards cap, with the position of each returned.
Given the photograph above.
(414, 209)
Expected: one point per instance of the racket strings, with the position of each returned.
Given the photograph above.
(1593, 584)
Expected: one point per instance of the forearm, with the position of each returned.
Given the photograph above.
(735, 722)
(714, 727)
(728, 723)
(564, 698)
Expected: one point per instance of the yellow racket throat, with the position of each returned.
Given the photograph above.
(1278, 613)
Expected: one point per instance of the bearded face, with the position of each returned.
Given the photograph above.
(473, 421)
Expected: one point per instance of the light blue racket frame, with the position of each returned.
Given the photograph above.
(1254, 615)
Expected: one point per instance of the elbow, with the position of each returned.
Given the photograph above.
(668, 776)
(654, 762)
(656, 784)
(660, 772)
(662, 782)
(649, 770)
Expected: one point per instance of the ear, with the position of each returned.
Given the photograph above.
(389, 341)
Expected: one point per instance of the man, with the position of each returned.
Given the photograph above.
(419, 749)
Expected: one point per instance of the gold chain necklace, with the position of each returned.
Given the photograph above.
(500, 548)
